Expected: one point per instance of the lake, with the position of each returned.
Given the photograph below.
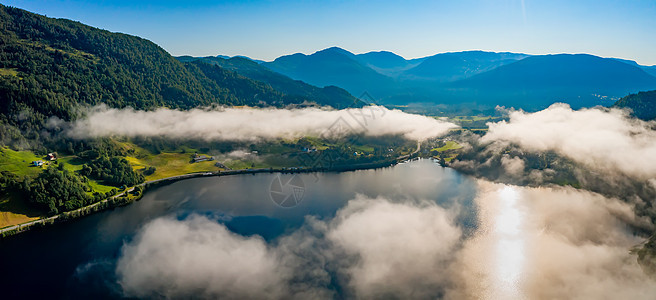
(415, 230)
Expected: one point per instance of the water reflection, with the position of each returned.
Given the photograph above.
(493, 241)
(509, 238)
(550, 243)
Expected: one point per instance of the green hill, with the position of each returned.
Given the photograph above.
(642, 105)
(329, 95)
(48, 67)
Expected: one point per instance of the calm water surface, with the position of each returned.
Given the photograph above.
(79, 259)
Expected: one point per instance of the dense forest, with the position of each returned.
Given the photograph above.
(642, 105)
(53, 191)
(49, 67)
(114, 171)
(329, 95)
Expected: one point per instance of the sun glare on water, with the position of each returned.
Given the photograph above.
(509, 247)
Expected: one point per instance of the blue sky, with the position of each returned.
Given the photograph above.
(268, 29)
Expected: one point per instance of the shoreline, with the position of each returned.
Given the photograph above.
(114, 201)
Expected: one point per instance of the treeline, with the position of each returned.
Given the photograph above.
(642, 105)
(115, 171)
(52, 191)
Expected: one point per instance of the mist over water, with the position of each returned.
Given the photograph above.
(415, 230)
(550, 243)
(411, 231)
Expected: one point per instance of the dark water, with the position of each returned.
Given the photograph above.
(78, 259)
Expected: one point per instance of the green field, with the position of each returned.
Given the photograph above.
(363, 148)
(450, 145)
(73, 164)
(167, 164)
(446, 150)
(19, 162)
(14, 210)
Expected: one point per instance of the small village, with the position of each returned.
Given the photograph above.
(51, 157)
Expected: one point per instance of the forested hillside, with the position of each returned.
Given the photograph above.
(642, 105)
(329, 95)
(48, 67)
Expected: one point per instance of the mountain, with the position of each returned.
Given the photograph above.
(329, 95)
(642, 105)
(49, 67)
(382, 60)
(182, 58)
(389, 77)
(651, 70)
(536, 81)
(386, 63)
(332, 66)
(452, 66)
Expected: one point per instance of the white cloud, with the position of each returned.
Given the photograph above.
(398, 249)
(551, 243)
(246, 124)
(533, 243)
(199, 258)
(599, 138)
(403, 249)
(514, 166)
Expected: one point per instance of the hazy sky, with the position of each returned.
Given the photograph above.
(268, 29)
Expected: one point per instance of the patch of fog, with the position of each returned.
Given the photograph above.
(199, 257)
(550, 243)
(252, 124)
(400, 249)
(601, 139)
(530, 243)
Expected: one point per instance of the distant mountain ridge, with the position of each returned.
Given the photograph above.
(332, 66)
(446, 67)
(569, 70)
(545, 79)
(476, 78)
(387, 63)
(329, 95)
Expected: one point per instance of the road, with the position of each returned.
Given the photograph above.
(404, 157)
(172, 178)
(55, 217)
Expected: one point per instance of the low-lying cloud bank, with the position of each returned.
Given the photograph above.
(601, 139)
(597, 149)
(550, 243)
(374, 247)
(246, 124)
(531, 243)
(200, 258)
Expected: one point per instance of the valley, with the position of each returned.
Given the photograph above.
(155, 166)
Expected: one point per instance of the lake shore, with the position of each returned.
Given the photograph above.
(119, 199)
